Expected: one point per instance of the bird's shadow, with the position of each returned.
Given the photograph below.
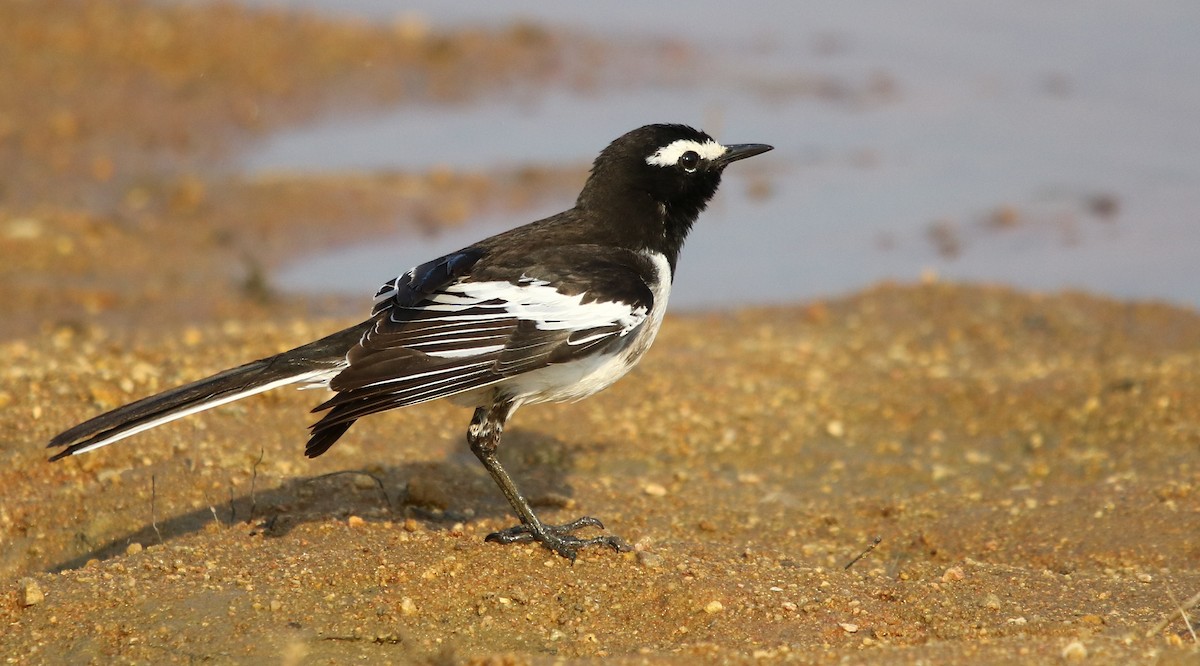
(438, 493)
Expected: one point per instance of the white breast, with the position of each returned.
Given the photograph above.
(566, 382)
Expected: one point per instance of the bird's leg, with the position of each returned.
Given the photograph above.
(484, 437)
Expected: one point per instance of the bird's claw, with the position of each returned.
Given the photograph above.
(558, 538)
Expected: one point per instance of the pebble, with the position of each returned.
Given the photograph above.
(952, 574)
(407, 607)
(848, 627)
(649, 560)
(31, 592)
(654, 490)
(1074, 651)
(714, 606)
(355, 521)
(364, 482)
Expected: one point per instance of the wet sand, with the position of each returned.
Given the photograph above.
(1027, 462)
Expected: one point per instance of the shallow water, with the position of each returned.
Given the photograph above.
(1041, 145)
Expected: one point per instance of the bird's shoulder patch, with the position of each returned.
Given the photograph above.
(421, 281)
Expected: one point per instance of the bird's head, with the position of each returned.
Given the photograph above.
(675, 166)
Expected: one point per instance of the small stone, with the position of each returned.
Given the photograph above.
(835, 428)
(991, 602)
(410, 525)
(952, 574)
(31, 592)
(714, 606)
(848, 627)
(133, 548)
(654, 490)
(1074, 651)
(1145, 578)
(649, 560)
(1092, 619)
(941, 472)
(407, 607)
(355, 521)
(276, 605)
(364, 482)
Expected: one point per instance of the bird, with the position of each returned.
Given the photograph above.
(551, 311)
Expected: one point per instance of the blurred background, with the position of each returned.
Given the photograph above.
(1042, 145)
(304, 152)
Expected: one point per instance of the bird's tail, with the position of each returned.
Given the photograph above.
(312, 363)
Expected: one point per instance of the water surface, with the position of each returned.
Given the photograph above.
(1040, 145)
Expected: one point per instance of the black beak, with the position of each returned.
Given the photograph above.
(740, 151)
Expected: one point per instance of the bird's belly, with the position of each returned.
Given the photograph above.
(565, 382)
(561, 382)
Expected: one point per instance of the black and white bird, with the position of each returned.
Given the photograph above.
(555, 310)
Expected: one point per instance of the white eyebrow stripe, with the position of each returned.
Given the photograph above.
(669, 155)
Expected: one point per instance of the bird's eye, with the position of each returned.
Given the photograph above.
(689, 161)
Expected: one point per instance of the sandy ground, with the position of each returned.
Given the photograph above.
(1027, 464)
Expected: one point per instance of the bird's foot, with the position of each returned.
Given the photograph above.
(558, 538)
